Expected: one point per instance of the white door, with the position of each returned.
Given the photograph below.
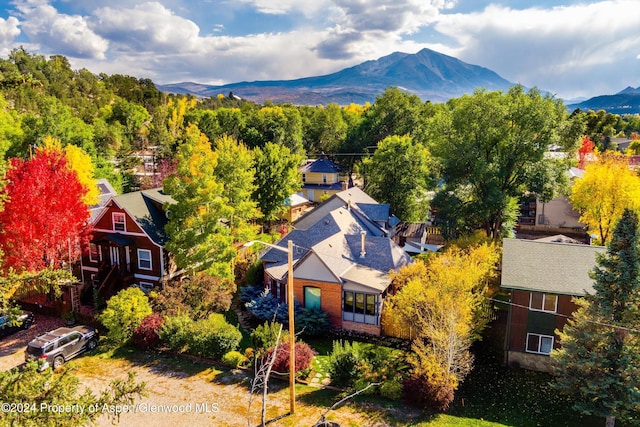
(114, 255)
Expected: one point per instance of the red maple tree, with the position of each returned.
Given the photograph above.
(584, 151)
(44, 221)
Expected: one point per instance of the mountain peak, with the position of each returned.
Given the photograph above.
(429, 74)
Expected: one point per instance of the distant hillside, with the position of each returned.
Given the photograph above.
(428, 74)
(627, 101)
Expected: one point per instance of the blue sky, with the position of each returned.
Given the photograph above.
(570, 48)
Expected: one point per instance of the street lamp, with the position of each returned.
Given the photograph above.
(292, 335)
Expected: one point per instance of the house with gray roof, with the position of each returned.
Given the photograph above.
(341, 261)
(543, 276)
(320, 179)
(127, 246)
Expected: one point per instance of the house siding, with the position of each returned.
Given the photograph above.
(330, 298)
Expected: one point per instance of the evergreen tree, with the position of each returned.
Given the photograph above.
(599, 362)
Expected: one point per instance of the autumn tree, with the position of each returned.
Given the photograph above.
(277, 178)
(585, 150)
(398, 174)
(236, 171)
(80, 162)
(199, 237)
(488, 144)
(607, 188)
(598, 365)
(443, 302)
(44, 221)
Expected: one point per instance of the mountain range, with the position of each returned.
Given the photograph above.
(431, 75)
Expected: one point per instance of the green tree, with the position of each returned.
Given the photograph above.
(124, 313)
(398, 174)
(598, 365)
(489, 144)
(199, 237)
(46, 392)
(235, 170)
(276, 178)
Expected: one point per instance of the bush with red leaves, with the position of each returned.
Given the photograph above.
(146, 336)
(304, 356)
(419, 391)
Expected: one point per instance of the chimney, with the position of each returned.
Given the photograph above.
(344, 185)
(362, 239)
(349, 204)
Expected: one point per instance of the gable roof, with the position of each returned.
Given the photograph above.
(549, 267)
(145, 207)
(336, 240)
(322, 165)
(106, 191)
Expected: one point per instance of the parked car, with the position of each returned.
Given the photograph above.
(57, 346)
(24, 321)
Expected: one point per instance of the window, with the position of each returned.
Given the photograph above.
(541, 344)
(360, 307)
(324, 178)
(144, 259)
(304, 177)
(94, 253)
(119, 221)
(146, 287)
(312, 297)
(543, 302)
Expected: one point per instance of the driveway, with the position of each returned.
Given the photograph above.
(12, 347)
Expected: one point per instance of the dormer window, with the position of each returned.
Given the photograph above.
(119, 221)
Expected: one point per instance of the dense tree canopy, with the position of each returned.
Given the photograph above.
(489, 144)
(398, 174)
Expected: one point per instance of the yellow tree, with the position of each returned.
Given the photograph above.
(443, 300)
(80, 162)
(607, 188)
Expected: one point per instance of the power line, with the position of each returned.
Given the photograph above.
(633, 330)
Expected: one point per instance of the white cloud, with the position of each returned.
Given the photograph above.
(558, 49)
(8, 32)
(147, 27)
(66, 34)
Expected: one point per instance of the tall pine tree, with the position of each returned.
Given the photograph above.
(598, 365)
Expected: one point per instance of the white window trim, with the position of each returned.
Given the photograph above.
(540, 336)
(544, 297)
(140, 267)
(124, 223)
(91, 253)
(147, 284)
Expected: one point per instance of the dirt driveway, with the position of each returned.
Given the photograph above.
(184, 392)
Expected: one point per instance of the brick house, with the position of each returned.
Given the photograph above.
(127, 246)
(342, 254)
(542, 276)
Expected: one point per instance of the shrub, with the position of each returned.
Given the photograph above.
(311, 322)
(266, 307)
(124, 313)
(175, 332)
(233, 358)
(146, 335)
(419, 391)
(304, 356)
(265, 336)
(210, 337)
(343, 363)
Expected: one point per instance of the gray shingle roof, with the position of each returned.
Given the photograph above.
(335, 238)
(558, 268)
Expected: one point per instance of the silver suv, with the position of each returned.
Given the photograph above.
(57, 346)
